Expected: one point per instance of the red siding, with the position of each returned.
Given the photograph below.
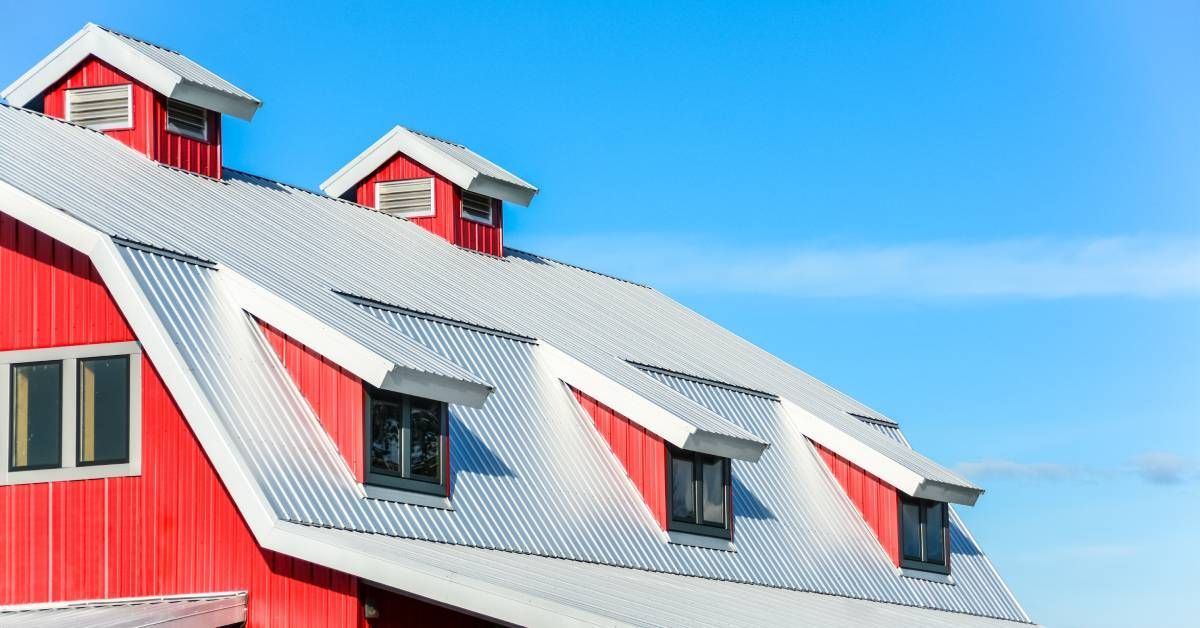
(171, 530)
(149, 134)
(334, 394)
(643, 454)
(875, 499)
(447, 220)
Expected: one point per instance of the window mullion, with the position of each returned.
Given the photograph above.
(406, 438)
(698, 488)
(70, 394)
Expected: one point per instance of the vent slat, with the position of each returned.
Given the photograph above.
(476, 207)
(408, 198)
(108, 107)
(187, 119)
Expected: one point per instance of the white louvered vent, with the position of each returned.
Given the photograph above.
(101, 107)
(186, 119)
(476, 207)
(410, 198)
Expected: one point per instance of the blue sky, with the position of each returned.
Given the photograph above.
(982, 219)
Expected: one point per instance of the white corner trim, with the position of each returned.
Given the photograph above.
(900, 477)
(388, 494)
(49, 220)
(437, 584)
(917, 574)
(699, 540)
(306, 329)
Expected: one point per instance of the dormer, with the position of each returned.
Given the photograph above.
(154, 100)
(441, 186)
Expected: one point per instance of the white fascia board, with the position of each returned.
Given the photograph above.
(398, 140)
(155, 341)
(439, 585)
(344, 351)
(644, 412)
(874, 462)
(502, 190)
(95, 41)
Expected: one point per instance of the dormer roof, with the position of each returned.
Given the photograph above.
(163, 70)
(457, 163)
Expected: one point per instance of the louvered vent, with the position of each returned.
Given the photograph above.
(101, 107)
(186, 119)
(409, 198)
(477, 207)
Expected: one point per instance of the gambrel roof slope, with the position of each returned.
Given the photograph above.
(187, 247)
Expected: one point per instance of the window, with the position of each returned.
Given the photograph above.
(186, 119)
(409, 198)
(698, 494)
(101, 108)
(70, 413)
(924, 535)
(476, 207)
(406, 442)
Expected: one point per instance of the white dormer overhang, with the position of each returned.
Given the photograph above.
(458, 164)
(164, 71)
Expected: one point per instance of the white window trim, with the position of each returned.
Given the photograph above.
(422, 214)
(941, 578)
(203, 136)
(699, 540)
(128, 115)
(491, 220)
(70, 357)
(389, 494)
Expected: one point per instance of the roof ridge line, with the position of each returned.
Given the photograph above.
(704, 380)
(369, 302)
(578, 267)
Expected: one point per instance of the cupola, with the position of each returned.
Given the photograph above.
(441, 186)
(152, 99)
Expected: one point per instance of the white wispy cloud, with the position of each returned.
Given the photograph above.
(1032, 268)
(1154, 467)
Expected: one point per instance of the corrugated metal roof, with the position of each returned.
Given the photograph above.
(640, 598)
(219, 609)
(186, 68)
(531, 475)
(306, 247)
(473, 160)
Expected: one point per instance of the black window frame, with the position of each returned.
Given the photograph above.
(405, 481)
(12, 416)
(923, 506)
(79, 362)
(698, 525)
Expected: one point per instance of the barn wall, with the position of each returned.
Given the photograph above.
(874, 498)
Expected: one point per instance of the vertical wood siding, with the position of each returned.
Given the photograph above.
(643, 453)
(149, 134)
(447, 220)
(334, 393)
(172, 530)
(874, 498)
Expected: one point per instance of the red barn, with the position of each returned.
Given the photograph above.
(224, 399)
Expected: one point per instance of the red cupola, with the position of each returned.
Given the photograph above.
(441, 186)
(154, 100)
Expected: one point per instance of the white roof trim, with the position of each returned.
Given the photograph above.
(93, 40)
(644, 412)
(425, 152)
(874, 462)
(332, 344)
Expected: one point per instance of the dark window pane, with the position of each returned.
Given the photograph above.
(910, 530)
(714, 491)
(425, 445)
(103, 410)
(683, 495)
(36, 411)
(386, 428)
(935, 518)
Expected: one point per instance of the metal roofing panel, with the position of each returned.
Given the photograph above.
(474, 160)
(186, 68)
(218, 609)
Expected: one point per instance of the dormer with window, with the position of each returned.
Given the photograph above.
(154, 100)
(407, 448)
(438, 185)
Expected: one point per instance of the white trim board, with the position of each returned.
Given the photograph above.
(403, 141)
(874, 462)
(92, 40)
(645, 412)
